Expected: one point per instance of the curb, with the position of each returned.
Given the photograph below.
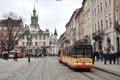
(107, 70)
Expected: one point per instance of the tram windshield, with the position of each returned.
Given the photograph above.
(79, 51)
(84, 52)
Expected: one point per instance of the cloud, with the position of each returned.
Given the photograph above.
(58, 14)
(52, 14)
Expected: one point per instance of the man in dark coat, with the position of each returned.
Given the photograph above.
(118, 57)
(15, 55)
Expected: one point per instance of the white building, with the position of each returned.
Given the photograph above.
(39, 38)
(54, 44)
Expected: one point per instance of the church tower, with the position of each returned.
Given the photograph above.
(55, 34)
(34, 20)
(54, 43)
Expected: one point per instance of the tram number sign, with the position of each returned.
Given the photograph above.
(83, 62)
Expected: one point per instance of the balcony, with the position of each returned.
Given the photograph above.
(81, 41)
(98, 35)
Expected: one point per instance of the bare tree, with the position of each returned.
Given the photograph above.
(11, 15)
(11, 36)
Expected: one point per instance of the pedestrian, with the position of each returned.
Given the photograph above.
(118, 57)
(113, 55)
(15, 56)
(93, 57)
(105, 56)
(110, 56)
(101, 55)
(5, 56)
(29, 55)
(97, 55)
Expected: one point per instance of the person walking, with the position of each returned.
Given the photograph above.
(118, 57)
(15, 56)
(110, 56)
(113, 56)
(93, 57)
(105, 56)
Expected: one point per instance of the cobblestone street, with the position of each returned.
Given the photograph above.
(46, 69)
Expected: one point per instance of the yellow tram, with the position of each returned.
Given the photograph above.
(77, 56)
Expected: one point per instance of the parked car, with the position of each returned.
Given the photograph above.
(20, 55)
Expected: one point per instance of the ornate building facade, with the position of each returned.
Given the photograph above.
(54, 44)
(35, 40)
(98, 24)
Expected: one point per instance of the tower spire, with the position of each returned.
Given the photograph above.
(55, 33)
(34, 19)
(34, 11)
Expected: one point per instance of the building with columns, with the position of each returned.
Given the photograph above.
(39, 39)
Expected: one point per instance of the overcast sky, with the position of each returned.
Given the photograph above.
(52, 14)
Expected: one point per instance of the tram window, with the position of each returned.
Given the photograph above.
(78, 52)
(87, 52)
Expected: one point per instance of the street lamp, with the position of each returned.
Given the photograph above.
(29, 44)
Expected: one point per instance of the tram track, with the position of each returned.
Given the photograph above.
(25, 72)
(92, 76)
(41, 71)
(100, 75)
(33, 71)
(108, 71)
(38, 71)
(49, 69)
(43, 68)
(104, 73)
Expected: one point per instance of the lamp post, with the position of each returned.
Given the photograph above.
(29, 44)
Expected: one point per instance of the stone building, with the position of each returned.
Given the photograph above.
(54, 44)
(116, 23)
(102, 24)
(61, 41)
(9, 36)
(72, 31)
(80, 26)
(87, 26)
(39, 39)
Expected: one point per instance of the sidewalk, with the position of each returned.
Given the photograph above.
(112, 68)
